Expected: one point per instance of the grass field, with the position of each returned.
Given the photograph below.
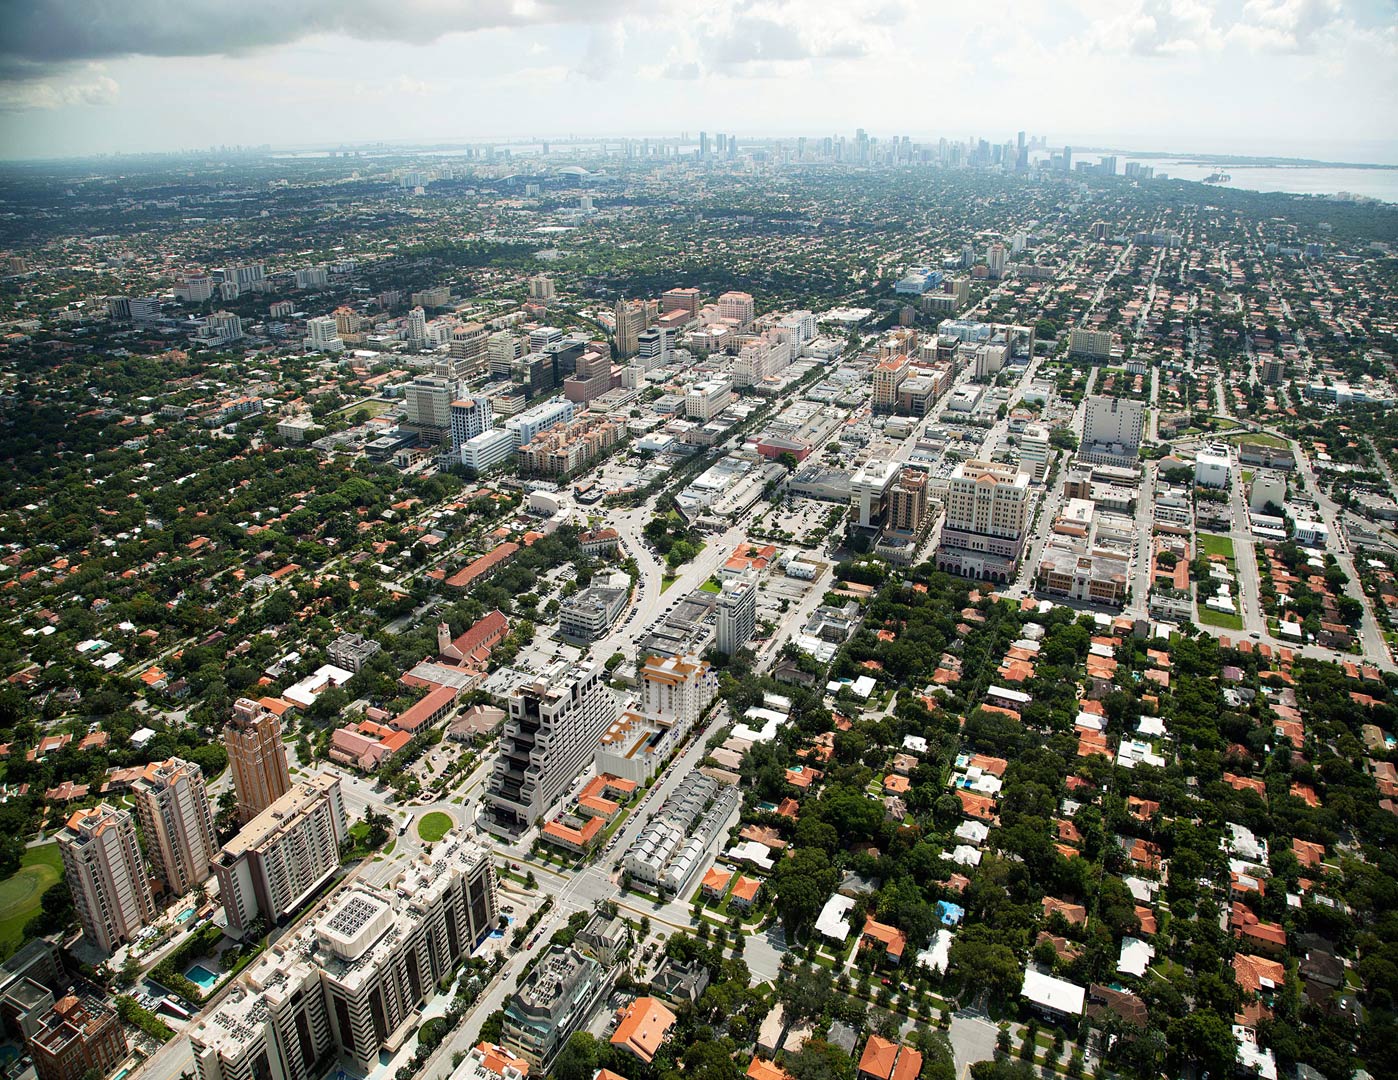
(1261, 438)
(434, 826)
(1214, 544)
(20, 893)
(1221, 619)
(373, 406)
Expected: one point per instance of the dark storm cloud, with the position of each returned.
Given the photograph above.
(39, 36)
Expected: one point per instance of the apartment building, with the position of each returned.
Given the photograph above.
(907, 502)
(551, 1004)
(173, 807)
(707, 399)
(588, 615)
(737, 306)
(1112, 431)
(79, 1035)
(675, 691)
(282, 855)
(553, 726)
(889, 376)
(257, 757)
(355, 976)
(987, 513)
(1092, 344)
(566, 448)
(103, 867)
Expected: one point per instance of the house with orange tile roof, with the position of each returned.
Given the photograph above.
(745, 892)
(1075, 914)
(1245, 783)
(980, 807)
(1257, 974)
(716, 882)
(893, 784)
(488, 1061)
(644, 1026)
(1269, 937)
(762, 1069)
(889, 939)
(1307, 853)
(579, 835)
(884, 1060)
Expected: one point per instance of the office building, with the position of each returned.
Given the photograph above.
(553, 1002)
(283, 855)
(352, 651)
(221, 327)
(677, 689)
(1112, 431)
(323, 335)
(173, 807)
(240, 279)
(553, 726)
(312, 277)
(1213, 465)
(539, 418)
(194, 289)
(632, 317)
(889, 376)
(427, 405)
(257, 757)
(737, 614)
(687, 300)
(707, 399)
(488, 449)
(469, 417)
(1035, 449)
(589, 613)
(869, 491)
(1272, 371)
(541, 287)
(987, 513)
(591, 378)
(417, 327)
(79, 1036)
(907, 502)
(105, 872)
(502, 349)
(737, 306)
(468, 351)
(354, 980)
(1090, 344)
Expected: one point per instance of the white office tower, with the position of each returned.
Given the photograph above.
(323, 335)
(737, 614)
(554, 725)
(1112, 431)
(1018, 244)
(194, 288)
(1035, 449)
(469, 417)
(173, 806)
(417, 328)
(283, 855)
(106, 875)
(467, 348)
(354, 979)
(249, 278)
(502, 349)
(222, 326)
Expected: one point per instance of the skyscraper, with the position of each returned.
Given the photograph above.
(173, 806)
(427, 404)
(253, 738)
(995, 260)
(983, 533)
(737, 615)
(417, 328)
(469, 417)
(106, 875)
(632, 316)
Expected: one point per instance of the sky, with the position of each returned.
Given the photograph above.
(1315, 78)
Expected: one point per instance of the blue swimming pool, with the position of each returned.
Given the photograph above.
(202, 977)
(182, 917)
(121, 1075)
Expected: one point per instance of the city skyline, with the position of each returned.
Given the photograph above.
(1264, 73)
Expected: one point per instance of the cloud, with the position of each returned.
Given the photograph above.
(1290, 26)
(43, 35)
(1162, 28)
(94, 89)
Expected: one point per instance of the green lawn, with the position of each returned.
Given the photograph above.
(711, 586)
(667, 581)
(1214, 544)
(434, 826)
(20, 893)
(1261, 438)
(1219, 618)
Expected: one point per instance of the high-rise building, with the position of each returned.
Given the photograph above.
(907, 502)
(1273, 371)
(632, 316)
(417, 327)
(105, 872)
(689, 300)
(256, 756)
(541, 287)
(468, 352)
(359, 971)
(502, 349)
(80, 1035)
(1092, 344)
(312, 277)
(995, 260)
(889, 376)
(705, 400)
(737, 614)
(738, 306)
(1114, 422)
(173, 807)
(469, 417)
(869, 490)
(281, 856)
(427, 405)
(1035, 449)
(553, 727)
(551, 1004)
(987, 511)
(323, 334)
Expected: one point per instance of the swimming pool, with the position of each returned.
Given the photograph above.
(182, 917)
(202, 977)
(121, 1074)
